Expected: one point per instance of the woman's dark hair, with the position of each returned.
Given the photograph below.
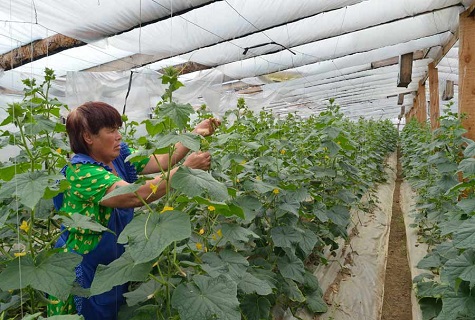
(90, 117)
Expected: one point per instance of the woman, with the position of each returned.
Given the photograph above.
(97, 168)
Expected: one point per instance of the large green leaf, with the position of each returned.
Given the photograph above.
(189, 140)
(286, 237)
(222, 208)
(316, 303)
(236, 235)
(29, 187)
(194, 182)
(148, 236)
(292, 291)
(291, 267)
(131, 188)
(458, 305)
(82, 222)
(8, 172)
(469, 151)
(463, 268)
(255, 307)
(143, 293)
(250, 205)
(465, 236)
(178, 113)
(119, 271)
(207, 298)
(52, 273)
(467, 167)
(229, 262)
(251, 284)
(467, 205)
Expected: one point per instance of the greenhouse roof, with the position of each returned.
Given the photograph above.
(281, 55)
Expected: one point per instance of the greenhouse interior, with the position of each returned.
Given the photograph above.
(237, 159)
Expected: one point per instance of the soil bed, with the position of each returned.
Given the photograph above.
(397, 284)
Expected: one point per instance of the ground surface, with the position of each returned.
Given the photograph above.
(397, 287)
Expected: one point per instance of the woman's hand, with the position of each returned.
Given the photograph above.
(207, 127)
(198, 160)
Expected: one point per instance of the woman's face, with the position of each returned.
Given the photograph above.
(105, 145)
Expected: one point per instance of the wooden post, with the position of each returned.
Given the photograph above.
(405, 70)
(448, 93)
(421, 95)
(434, 96)
(400, 99)
(467, 72)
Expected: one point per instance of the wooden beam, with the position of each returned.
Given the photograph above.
(466, 91)
(419, 54)
(405, 70)
(36, 50)
(445, 49)
(448, 93)
(434, 96)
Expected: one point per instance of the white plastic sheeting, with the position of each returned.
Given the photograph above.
(299, 53)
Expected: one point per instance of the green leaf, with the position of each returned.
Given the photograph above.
(291, 267)
(119, 190)
(467, 205)
(467, 167)
(458, 305)
(178, 113)
(189, 140)
(29, 187)
(463, 268)
(250, 284)
(41, 124)
(52, 273)
(255, 307)
(8, 172)
(292, 291)
(465, 236)
(469, 151)
(207, 298)
(250, 205)
(194, 182)
(222, 208)
(148, 236)
(228, 262)
(286, 237)
(143, 293)
(308, 241)
(82, 222)
(315, 302)
(119, 271)
(235, 234)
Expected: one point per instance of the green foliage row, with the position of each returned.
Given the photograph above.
(440, 166)
(238, 242)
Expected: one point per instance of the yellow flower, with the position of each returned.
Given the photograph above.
(153, 187)
(166, 208)
(219, 233)
(243, 162)
(24, 226)
(282, 151)
(258, 178)
(58, 150)
(211, 208)
(276, 191)
(199, 246)
(237, 180)
(202, 231)
(19, 254)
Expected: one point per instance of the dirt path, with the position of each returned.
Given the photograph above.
(397, 286)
